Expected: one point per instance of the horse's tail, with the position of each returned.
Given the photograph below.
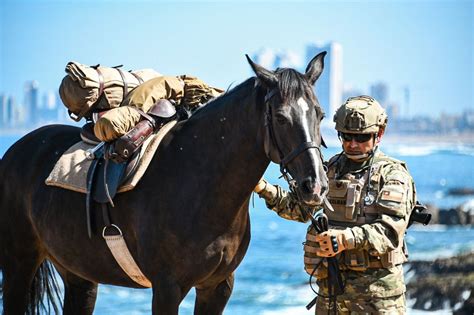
(45, 294)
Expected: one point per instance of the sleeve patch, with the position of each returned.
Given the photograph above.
(392, 195)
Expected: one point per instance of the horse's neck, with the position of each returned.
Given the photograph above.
(234, 127)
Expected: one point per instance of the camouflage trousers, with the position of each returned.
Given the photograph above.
(393, 305)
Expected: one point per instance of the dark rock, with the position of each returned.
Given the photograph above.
(461, 215)
(434, 211)
(461, 191)
(444, 282)
(449, 217)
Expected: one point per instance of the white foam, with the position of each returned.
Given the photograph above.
(403, 150)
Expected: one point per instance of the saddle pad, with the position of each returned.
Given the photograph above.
(70, 172)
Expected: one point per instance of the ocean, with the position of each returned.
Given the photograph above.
(271, 279)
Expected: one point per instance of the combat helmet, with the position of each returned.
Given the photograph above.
(360, 114)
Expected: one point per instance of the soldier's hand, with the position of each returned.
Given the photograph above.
(333, 242)
(262, 183)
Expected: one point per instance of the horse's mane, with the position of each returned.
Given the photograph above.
(226, 97)
(292, 84)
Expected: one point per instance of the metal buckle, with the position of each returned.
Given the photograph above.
(114, 226)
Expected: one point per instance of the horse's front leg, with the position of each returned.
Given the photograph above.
(212, 301)
(167, 295)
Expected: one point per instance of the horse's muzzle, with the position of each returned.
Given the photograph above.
(312, 191)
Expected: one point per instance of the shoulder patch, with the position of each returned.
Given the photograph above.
(392, 195)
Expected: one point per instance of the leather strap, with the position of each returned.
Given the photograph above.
(122, 255)
(139, 78)
(101, 81)
(125, 84)
(147, 117)
(302, 147)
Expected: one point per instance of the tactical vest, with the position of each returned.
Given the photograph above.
(355, 203)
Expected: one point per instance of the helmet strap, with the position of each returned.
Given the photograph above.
(358, 157)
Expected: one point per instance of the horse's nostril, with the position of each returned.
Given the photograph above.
(311, 187)
(308, 187)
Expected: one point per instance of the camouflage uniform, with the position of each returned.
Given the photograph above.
(377, 214)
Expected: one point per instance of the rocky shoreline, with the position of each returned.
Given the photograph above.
(460, 215)
(446, 283)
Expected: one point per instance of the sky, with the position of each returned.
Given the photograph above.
(427, 46)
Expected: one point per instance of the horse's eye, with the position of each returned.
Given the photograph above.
(281, 119)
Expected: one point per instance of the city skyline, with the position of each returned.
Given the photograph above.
(38, 111)
(425, 47)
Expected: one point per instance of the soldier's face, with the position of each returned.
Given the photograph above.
(355, 147)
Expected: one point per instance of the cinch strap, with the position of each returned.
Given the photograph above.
(119, 250)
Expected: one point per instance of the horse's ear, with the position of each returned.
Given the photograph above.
(315, 68)
(267, 77)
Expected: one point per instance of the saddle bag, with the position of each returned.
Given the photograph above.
(88, 88)
(125, 146)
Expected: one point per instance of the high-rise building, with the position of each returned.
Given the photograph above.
(49, 100)
(3, 110)
(272, 59)
(379, 91)
(350, 91)
(329, 87)
(31, 101)
(11, 118)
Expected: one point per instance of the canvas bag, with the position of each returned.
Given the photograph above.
(88, 88)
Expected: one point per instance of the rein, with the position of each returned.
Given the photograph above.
(336, 284)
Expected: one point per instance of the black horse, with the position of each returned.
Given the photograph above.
(186, 223)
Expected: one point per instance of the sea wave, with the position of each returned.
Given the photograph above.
(428, 149)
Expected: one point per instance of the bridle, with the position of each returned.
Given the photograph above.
(271, 139)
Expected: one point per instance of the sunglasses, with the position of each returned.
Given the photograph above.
(358, 137)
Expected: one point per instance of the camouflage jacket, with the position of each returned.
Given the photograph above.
(378, 220)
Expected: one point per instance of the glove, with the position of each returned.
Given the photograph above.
(262, 184)
(333, 241)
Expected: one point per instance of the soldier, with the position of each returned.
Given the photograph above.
(372, 196)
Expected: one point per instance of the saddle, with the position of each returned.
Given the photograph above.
(113, 162)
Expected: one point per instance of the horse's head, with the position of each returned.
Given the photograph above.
(293, 118)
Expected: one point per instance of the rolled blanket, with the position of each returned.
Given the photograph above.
(85, 87)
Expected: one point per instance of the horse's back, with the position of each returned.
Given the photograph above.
(28, 162)
(46, 143)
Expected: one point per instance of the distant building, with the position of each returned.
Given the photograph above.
(277, 58)
(350, 91)
(329, 87)
(3, 110)
(13, 116)
(392, 109)
(49, 100)
(31, 101)
(379, 91)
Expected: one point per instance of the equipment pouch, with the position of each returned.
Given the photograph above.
(311, 260)
(356, 259)
(393, 258)
(344, 196)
